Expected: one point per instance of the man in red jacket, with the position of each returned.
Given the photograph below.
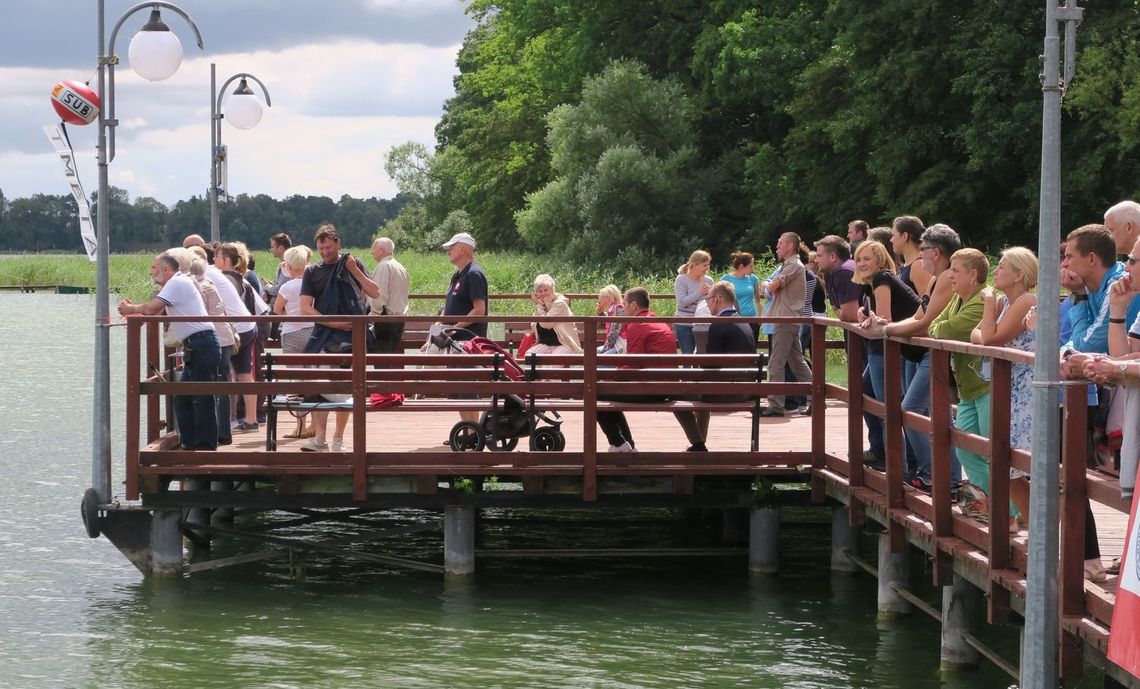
(648, 337)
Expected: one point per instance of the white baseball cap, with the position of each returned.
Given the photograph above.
(460, 238)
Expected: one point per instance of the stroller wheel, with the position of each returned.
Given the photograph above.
(466, 436)
(561, 441)
(501, 444)
(546, 439)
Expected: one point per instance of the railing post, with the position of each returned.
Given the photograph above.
(1000, 369)
(1073, 497)
(153, 363)
(855, 478)
(590, 411)
(818, 402)
(134, 337)
(940, 450)
(893, 441)
(359, 407)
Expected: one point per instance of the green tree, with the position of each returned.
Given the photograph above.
(629, 182)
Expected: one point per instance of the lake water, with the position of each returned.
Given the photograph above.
(74, 613)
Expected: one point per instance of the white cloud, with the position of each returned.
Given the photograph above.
(406, 7)
(337, 108)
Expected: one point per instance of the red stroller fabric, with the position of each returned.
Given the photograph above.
(481, 345)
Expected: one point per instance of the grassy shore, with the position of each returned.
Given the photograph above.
(507, 273)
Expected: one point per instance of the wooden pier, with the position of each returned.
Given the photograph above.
(396, 457)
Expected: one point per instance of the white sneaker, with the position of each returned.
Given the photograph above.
(315, 445)
(337, 445)
(624, 447)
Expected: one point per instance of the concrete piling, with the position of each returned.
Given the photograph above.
(764, 540)
(961, 614)
(844, 540)
(894, 569)
(166, 543)
(459, 540)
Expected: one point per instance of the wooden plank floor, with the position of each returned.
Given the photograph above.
(653, 431)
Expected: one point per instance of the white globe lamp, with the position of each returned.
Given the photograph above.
(155, 52)
(243, 109)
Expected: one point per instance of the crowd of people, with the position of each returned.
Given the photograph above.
(906, 279)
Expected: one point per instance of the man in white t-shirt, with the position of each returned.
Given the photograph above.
(179, 296)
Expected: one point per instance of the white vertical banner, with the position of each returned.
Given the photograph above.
(63, 148)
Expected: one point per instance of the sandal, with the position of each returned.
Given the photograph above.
(1114, 567)
(974, 502)
(1094, 571)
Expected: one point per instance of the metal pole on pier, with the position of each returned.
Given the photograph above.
(1042, 622)
(157, 58)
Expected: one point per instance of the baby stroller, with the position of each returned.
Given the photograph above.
(511, 417)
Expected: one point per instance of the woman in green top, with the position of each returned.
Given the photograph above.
(967, 276)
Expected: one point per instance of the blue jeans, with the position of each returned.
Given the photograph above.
(196, 415)
(222, 404)
(872, 379)
(685, 338)
(916, 383)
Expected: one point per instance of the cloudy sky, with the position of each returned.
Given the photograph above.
(348, 80)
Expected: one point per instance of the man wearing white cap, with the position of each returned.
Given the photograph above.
(467, 294)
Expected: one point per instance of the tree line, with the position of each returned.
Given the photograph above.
(608, 130)
(48, 222)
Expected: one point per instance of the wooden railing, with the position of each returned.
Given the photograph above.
(576, 378)
(949, 531)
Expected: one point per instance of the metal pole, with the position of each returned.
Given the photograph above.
(101, 394)
(101, 401)
(215, 136)
(1042, 621)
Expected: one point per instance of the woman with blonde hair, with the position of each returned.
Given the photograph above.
(886, 297)
(1003, 325)
(690, 288)
(609, 305)
(294, 334)
(552, 337)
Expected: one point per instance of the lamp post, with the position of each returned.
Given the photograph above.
(1039, 667)
(243, 112)
(155, 53)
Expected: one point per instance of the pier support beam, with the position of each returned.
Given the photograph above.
(764, 540)
(894, 568)
(844, 539)
(166, 543)
(459, 540)
(961, 613)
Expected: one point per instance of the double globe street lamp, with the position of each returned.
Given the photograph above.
(155, 53)
(243, 111)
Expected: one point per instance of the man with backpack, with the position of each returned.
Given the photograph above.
(335, 286)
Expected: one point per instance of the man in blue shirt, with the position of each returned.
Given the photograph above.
(467, 294)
